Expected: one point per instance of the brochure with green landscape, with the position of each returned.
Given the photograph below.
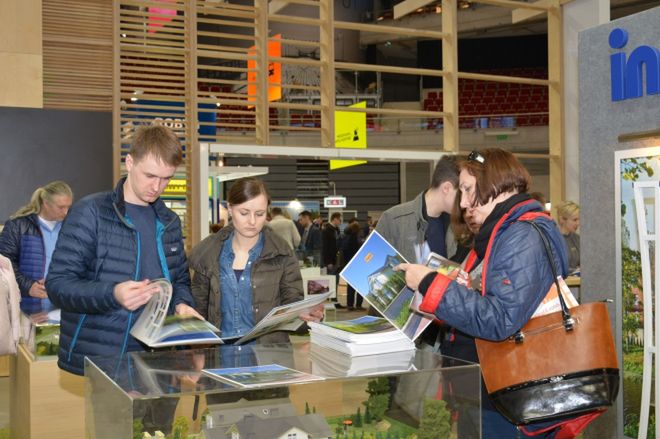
(361, 328)
(371, 273)
(257, 376)
(156, 329)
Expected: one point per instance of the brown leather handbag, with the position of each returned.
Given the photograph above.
(557, 366)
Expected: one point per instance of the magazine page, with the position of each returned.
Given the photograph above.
(551, 304)
(186, 330)
(443, 265)
(257, 376)
(156, 329)
(284, 317)
(148, 325)
(371, 273)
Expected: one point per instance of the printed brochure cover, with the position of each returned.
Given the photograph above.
(284, 317)
(371, 272)
(156, 329)
(256, 376)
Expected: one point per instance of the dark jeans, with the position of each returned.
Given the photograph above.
(350, 297)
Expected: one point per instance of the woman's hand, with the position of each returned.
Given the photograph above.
(184, 310)
(414, 273)
(315, 314)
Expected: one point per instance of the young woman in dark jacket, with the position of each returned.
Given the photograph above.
(245, 270)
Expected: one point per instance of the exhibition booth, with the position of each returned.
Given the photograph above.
(179, 392)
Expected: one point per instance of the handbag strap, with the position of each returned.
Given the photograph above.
(566, 315)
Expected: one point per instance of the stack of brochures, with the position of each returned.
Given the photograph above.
(330, 363)
(367, 335)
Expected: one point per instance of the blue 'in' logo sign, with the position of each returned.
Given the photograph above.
(627, 77)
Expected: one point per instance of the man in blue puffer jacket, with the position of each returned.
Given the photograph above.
(111, 245)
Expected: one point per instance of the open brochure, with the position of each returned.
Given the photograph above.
(257, 376)
(156, 329)
(284, 317)
(443, 265)
(371, 273)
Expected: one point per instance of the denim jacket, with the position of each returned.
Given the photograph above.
(237, 318)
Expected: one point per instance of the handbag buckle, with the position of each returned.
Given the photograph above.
(568, 324)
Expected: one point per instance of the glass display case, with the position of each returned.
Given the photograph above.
(40, 327)
(171, 394)
(45, 401)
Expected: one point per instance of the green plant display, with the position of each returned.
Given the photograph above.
(138, 426)
(47, 340)
(180, 428)
(436, 420)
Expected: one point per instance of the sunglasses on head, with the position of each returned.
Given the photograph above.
(474, 156)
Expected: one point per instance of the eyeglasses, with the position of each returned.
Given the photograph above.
(476, 157)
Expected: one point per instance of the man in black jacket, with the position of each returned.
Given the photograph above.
(330, 245)
(310, 242)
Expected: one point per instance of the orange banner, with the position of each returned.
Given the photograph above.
(274, 72)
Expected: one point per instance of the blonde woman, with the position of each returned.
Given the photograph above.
(28, 238)
(568, 214)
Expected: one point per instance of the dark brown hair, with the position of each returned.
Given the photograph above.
(159, 142)
(459, 226)
(498, 172)
(245, 189)
(353, 228)
(445, 170)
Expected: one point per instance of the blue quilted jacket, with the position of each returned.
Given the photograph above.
(516, 276)
(97, 249)
(21, 242)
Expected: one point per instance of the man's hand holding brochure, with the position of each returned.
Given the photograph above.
(156, 329)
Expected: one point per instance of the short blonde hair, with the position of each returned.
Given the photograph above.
(568, 209)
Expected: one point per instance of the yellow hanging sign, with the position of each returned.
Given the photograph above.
(350, 132)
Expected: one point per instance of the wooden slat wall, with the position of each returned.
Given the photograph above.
(77, 54)
(200, 56)
(21, 54)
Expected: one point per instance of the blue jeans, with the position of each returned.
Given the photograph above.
(496, 426)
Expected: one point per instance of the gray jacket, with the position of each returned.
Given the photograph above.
(404, 227)
(276, 279)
